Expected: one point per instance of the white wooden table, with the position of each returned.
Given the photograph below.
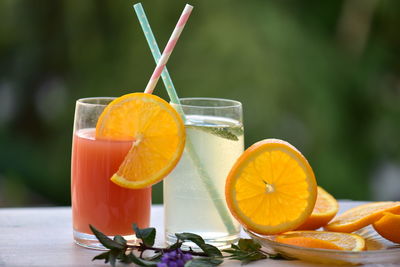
(43, 237)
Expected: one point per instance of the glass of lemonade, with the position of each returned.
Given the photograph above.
(95, 199)
(194, 193)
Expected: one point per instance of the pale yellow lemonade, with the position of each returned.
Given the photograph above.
(218, 142)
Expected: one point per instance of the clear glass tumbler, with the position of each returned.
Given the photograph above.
(194, 193)
(95, 199)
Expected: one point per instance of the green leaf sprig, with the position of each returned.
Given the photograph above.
(247, 250)
(230, 133)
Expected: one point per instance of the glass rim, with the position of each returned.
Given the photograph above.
(233, 103)
(228, 103)
(86, 100)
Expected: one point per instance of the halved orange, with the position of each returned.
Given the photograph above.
(361, 216)
(323, 239)
(389, 226)
(157, 132)
(324, 210)
(271, 188)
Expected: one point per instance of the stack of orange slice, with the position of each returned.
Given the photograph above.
(271, 189)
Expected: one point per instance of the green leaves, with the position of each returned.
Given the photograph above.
(176, 245)
(118, 247)
(247, 250)
(102, 256)
(230, 133)
(106, 241)
(147, 235)
(248, 245)
(120, 240)
(210, 250)
(111, 256)
(214, 255)
(190, 237)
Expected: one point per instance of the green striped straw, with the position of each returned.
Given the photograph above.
(155, 51)
(206, 179)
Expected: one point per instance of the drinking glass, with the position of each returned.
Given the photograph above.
(95, 199)
(194, 193)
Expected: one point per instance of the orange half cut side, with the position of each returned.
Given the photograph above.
(271, 188)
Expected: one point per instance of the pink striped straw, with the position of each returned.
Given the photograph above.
(168, 49)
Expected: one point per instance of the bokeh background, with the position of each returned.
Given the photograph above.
(323, 75)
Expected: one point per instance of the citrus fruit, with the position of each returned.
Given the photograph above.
(389, 226)
(321, 239)
(157, 132)
(361, 216)
(271, 188)
(307, 242)
(324, 210)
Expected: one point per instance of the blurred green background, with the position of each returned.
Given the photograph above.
(323, 75)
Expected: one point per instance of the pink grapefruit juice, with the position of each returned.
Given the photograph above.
(95, 199)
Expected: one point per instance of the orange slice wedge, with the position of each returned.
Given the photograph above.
(157, 132)
(389, 226)
(306, 242)
(321, 239)
(361, 216)
(324, 210)
(271, 188)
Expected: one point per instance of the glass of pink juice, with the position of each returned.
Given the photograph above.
(95, 199)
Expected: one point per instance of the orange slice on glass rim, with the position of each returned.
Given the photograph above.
(157, 133)
(271, 188)
(321, 239)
